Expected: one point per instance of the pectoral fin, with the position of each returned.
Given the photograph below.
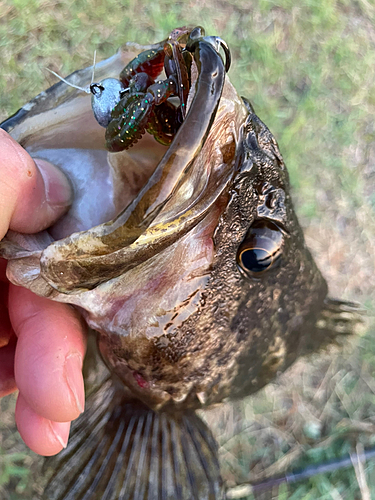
(123, 450)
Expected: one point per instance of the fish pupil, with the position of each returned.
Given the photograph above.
(256, 260)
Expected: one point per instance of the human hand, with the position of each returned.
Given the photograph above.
(42, 343)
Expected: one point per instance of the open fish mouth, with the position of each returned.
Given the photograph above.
(128, 206)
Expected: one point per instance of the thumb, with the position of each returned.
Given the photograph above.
(33, 194)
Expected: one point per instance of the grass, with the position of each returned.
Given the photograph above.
(308, 68)
(315, 413)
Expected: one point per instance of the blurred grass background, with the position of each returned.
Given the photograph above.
(308, 68)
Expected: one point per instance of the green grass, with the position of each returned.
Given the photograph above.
(308, 69)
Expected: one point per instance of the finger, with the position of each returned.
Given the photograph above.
(7, 380)
(31, 198)
(49, 355)
(40, 434)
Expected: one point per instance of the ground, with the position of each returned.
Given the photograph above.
(308, 69)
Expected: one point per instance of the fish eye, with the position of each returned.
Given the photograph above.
(261, 248)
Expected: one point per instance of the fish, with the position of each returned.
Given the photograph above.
(189, 263)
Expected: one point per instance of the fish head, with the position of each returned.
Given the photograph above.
(189, 262)
(233, 302)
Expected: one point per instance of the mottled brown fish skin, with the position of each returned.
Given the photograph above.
(244, 330)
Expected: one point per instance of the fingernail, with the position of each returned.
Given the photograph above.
(59, 431)
(74, 379)
(59, 192)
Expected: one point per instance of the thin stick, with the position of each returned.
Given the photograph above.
(360, 472)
